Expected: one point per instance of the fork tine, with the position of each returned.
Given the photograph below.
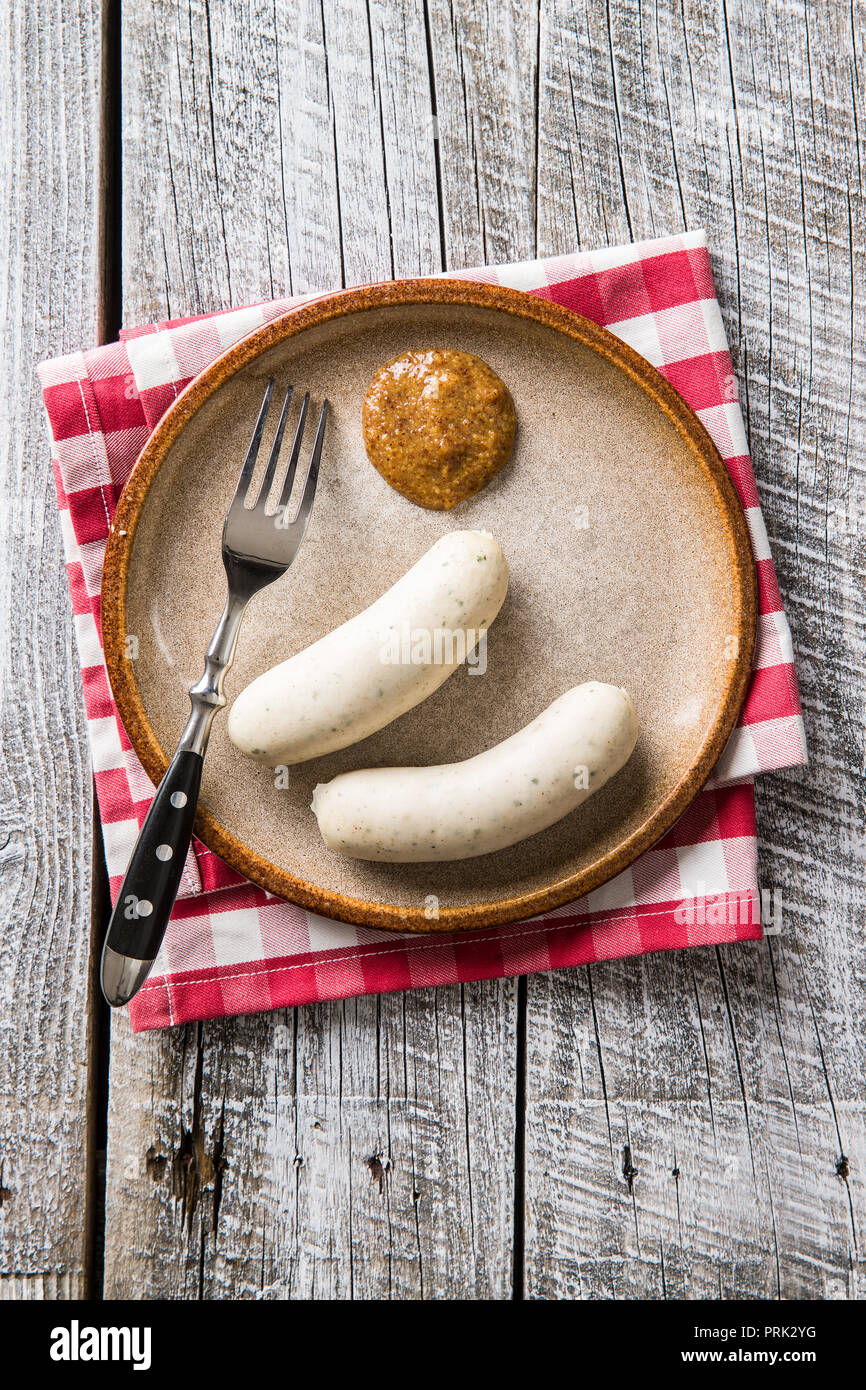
(249, 464)
(309, 492)
(295, 455)
(267, 480)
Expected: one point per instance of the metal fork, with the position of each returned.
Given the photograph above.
(257, 548)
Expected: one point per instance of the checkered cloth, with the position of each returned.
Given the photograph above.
(231, 947)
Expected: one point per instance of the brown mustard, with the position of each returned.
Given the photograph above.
(438, 425)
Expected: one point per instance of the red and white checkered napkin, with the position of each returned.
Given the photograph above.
(231, 947)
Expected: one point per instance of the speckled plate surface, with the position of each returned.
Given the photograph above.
(630, 563)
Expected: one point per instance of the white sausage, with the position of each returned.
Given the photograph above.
(408, 815)
(366, 673)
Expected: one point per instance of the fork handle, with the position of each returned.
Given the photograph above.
(149, 889)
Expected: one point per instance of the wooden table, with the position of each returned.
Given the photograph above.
(680, 1126)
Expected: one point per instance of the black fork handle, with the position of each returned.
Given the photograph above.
(149, 889)
(143, 907)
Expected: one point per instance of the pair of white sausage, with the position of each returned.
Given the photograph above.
(346, 687)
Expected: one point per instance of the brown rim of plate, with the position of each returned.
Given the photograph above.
(423, 291)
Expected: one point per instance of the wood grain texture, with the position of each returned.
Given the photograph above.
(357, 1150)
(693, 1123)
(363, 1149)
(709, 1108)
(49, 138)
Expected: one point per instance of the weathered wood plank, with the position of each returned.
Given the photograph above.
(740, 1071)
(483, 59)
(49, 137)
(363, 1149)
(346, 1151)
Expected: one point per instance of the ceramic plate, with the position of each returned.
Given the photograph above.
(629, 558)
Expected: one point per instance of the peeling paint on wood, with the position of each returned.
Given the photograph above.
(681, 1126)
(742, 1069)
(693, 1124)
(49, 137)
